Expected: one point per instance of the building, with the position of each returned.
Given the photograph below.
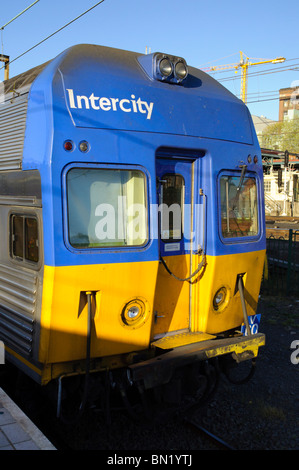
(281, 183)
(281, 178)
(289, 102)
(260, 124)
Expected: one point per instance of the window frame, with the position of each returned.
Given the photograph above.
(108, 248)
(238, 239)
(23, 260)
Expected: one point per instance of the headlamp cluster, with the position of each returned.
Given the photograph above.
(221, 299)
(134, 313)
(169, 68)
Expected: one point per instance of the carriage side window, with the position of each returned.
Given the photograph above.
(24, 238)
(239, 213)
(106, 208)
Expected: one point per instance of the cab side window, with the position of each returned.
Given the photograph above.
(239, 207)
(24, 238)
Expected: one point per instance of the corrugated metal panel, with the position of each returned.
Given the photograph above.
(23, 80)
(12, 132)
(18, 292)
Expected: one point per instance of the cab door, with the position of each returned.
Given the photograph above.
(172, 304)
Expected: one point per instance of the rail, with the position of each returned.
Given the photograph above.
(215, 439)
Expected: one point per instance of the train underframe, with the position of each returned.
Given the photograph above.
(169, 381)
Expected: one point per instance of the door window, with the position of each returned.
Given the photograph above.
(171, 208)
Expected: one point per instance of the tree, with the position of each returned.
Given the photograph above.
(282, 135)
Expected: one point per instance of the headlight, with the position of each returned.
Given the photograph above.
(165, 67)
(181, 70)
(168, 68)
(134, 313)
(220, 299)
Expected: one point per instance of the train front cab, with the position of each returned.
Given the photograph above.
(178, 291)
(192, 259)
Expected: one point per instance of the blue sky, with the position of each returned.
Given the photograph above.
(204, 33)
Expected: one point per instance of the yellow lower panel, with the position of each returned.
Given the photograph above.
(64, 309)
(172, 297)
(64, 306)
(223, 271)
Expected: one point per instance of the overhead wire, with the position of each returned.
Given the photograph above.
(19, 14)
(55, 32)
(13, 19)
(231, 66)
(251, 74)
(261, 72)
(258, 74)
(280, 69)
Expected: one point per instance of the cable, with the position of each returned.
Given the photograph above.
(55, 32)
(263, 72)
(260, 101)
(249, 73)
(225, 57)
(17, 16)
(200, 265)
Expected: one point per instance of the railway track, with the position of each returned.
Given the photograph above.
(29, 399)
(212, 437)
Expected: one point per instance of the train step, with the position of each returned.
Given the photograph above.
(181, 339)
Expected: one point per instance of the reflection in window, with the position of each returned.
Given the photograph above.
(239, 217)
(106, 208)
(24, 238)
(172, 203)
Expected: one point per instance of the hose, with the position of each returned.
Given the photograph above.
(88, 344)
(201, 264)
(87, 371)
(241, 381)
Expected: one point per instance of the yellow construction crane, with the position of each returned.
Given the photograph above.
(244, 63)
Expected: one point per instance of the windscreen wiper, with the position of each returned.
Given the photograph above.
(244, 168)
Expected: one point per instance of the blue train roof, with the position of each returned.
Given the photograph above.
(106, 88)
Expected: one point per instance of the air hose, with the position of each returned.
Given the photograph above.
(88, 344)
(201, 251)
(87, 370)
(201, 264)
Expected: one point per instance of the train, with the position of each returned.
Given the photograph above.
(132, 226)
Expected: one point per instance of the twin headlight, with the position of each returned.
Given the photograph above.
(164, 67)
(169, 68)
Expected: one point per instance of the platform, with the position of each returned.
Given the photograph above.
(17, 432)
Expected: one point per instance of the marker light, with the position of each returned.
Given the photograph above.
(255, 159)
(84, 146)
(68, 145)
